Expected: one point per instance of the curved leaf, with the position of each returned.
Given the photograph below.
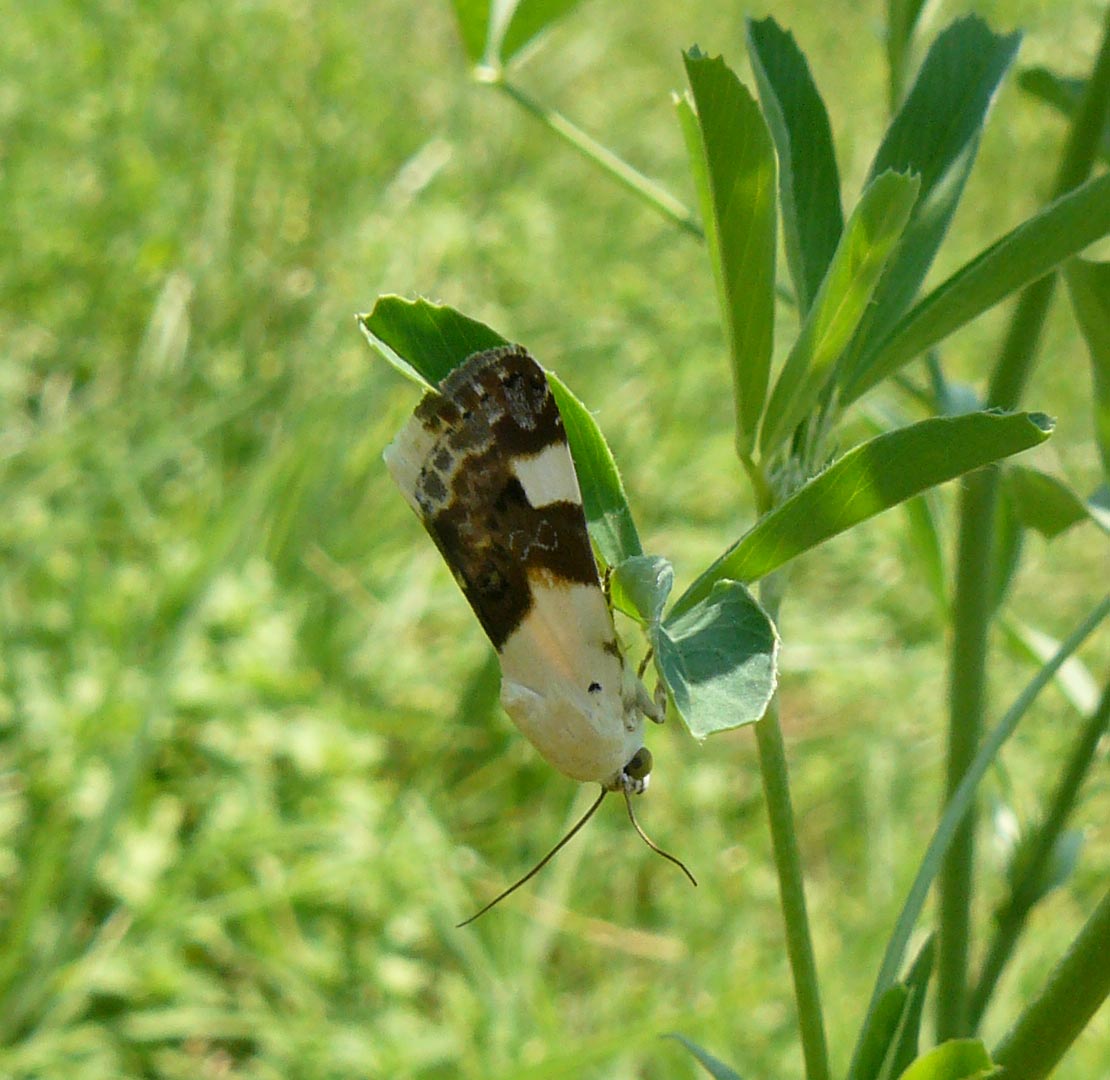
(866, 244)
(957, 81)
(492, 32)
(1033, 249)
(959, 1059)
(603, 499)
(1043, 502)
(639, 587)
(1089, 285)
(867, 480)
(809, 183)
(719, 660)
(733, 161)
(425, 342)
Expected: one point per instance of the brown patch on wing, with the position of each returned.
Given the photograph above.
(495, 408)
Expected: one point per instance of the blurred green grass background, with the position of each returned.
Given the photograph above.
(252, 770)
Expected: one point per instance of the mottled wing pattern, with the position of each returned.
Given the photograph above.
(486, 465)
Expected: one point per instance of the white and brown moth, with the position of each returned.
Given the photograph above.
(485, 463)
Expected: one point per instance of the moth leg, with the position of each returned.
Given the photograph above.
(653, 708)
(660, 702)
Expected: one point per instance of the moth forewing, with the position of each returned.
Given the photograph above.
(486, 465)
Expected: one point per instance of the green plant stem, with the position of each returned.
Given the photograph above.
(971, 608)
(788, 864)
(658, 198)
(961, 801)
(1028, 886)
(1078, 985)
(967, 692)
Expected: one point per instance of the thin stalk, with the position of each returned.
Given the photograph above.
(1028, 885)
(1078, 985)
(959, 805)
(788, 864)
(971, 609)
(971, 613)
(649, 192)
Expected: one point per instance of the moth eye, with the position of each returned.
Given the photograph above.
(639, 765)
(594, 688)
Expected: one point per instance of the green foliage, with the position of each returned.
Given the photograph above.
(607, 511)
(809, 184)
(959, 1059)
(424, 341)
(865, 245)
(718, 658)
(867, 480)
(733, 162)
(252, 767)
(1024, 255)
(1089, 284)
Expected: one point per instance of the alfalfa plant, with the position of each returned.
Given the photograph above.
(855, 281)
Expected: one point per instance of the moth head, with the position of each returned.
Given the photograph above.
(634, 778)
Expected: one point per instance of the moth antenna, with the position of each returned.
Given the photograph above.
(653, 845)
(644, 663)
(547, 858)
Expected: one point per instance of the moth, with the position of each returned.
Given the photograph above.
(485, 464)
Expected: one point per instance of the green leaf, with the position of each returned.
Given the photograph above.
(607, 512)
(880, 1032)
(903, 1048)
(1074, 678)
(1098, 506)
(719, 659)
(1089, 285)
(1033, 249)
(529, 19)
(715, 1067)
(493, 32)
(1062, 93)
(957, 81)
(1043, 502)
(867, 480)
(960, 1059)
(901, 20)
(425, 342)
(1009, 543)
(888, 1041)
(845, 293)
(809, 184)
(925, 538)
(639, 587)
(736, 180)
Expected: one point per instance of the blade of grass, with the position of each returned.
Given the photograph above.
(1027, 888)
(1089, 285)
(1076, 988)
(961, 801)
(972, 606)
(647, 191)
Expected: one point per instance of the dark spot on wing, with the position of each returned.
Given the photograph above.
(495, 407)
